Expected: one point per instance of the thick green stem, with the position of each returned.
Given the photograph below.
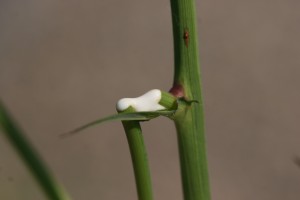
(139, 159)
(189, 119)
(31, 159)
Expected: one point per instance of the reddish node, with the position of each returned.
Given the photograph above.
(177, 91)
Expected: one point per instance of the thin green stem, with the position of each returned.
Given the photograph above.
(30, 157)
(189, 119)
(139, 158)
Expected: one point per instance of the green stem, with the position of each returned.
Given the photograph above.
(189, 119)
(31, 159)
(139, 158)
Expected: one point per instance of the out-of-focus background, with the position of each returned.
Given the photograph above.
(64, 63)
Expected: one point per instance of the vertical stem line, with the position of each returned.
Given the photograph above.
(139, 158)
(186, 56)
(189, 120)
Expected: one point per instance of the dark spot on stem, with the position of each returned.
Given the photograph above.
(186, 36)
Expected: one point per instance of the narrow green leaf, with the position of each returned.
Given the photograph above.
(30, 157)
(134, 116)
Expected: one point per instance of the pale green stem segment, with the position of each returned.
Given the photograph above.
(30, 158)
(139, 158)
(169, 101)
(189, 118)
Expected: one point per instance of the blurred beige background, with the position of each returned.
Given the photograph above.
(64, 63)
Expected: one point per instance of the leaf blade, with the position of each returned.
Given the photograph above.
(134, 116)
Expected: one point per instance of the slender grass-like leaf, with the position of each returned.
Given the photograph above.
(30, 157)
(134, 116)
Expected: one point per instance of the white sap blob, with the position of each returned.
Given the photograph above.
(147, 102)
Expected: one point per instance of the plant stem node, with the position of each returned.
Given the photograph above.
(177, 90)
